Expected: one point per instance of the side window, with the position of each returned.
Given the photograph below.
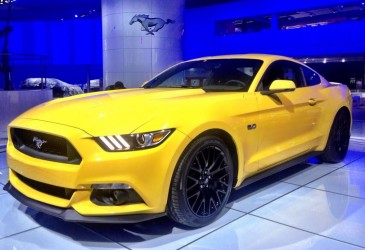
(311, 77)
(281, 70)
(175, 80)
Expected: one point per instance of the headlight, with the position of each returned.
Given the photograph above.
(133, 141)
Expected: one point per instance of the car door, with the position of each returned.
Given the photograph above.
(287, 120)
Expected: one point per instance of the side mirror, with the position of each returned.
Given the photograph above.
(279, 86)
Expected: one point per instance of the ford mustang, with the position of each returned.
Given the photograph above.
(179, 144)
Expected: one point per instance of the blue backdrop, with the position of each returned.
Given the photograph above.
(69, 50)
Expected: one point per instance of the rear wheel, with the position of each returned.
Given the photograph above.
(202, 182)
(339, 138)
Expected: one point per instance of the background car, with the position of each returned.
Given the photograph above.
(60, 88)
(179, 144)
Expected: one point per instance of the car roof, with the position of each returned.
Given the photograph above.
(264, 57)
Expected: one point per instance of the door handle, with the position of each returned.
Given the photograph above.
(312, 101)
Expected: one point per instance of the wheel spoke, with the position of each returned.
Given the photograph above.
(203, 160)
(199, 163)
(212, 160)
(212, 206)
(200, 210)
(218, 197)
(193, 201)
(195, 183)
(218, 167)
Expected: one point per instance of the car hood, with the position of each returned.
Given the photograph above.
(115, 112)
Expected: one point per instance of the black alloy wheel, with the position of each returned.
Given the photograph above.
(202, 182)
(339, 139)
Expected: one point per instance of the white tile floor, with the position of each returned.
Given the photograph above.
(310, 206)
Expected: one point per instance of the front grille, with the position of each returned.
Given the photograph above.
(64, 193)
(44, 146)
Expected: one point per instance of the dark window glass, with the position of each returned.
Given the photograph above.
(281, 70)
(311, 77)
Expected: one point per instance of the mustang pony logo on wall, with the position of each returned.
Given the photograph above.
(150, 24)
(38, 142)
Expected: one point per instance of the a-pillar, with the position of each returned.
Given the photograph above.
(140, 38)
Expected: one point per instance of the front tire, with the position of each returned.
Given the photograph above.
(339, 138)
(202, 182)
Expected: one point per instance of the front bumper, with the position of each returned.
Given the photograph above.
(148, 172)
(69, 214)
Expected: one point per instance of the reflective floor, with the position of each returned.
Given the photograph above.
(310, 206)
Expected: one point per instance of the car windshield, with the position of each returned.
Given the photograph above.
(210, 75)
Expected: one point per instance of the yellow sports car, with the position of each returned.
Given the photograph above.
(177, 145)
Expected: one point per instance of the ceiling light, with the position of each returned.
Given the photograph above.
(6, 1)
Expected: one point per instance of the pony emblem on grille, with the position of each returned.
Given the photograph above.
(38, 142)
